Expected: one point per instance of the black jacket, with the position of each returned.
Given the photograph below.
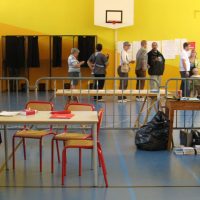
(156, 63)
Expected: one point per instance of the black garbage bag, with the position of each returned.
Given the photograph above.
(154, 135)
(195, 137)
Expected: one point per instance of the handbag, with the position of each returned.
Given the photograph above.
(125, 68)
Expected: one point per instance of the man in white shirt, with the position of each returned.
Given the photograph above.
(124, 59)
(185, 69)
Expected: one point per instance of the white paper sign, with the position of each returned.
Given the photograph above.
(168, 49)
(149, 45)
(136, 46)
(119, 46)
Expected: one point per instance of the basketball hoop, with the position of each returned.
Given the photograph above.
(113, 22)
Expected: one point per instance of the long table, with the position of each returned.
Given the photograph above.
(43, 117)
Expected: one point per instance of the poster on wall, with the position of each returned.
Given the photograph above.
(177, 46)
(192, 45)
(135, 47)
(149, 45)
(168, 49)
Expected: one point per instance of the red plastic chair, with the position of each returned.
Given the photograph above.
(68, 136)
(34, 134)
(84, 144)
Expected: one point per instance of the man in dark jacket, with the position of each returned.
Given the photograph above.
(156, 63)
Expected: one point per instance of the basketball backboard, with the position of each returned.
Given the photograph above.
(113, 13)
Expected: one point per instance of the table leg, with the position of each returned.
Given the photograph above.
(95, 155)
(153, 100)
(137, 122)
(170, 139)
(6, 147)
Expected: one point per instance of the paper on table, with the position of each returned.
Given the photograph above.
(61, 116)
(9, 113)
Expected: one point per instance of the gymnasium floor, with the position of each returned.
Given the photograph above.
(132, 174)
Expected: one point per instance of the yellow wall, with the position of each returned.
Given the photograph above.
(154, 20)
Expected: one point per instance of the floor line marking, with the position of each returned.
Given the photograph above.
(10, 156)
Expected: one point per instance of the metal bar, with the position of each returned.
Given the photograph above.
(95, 155)
(6, 147)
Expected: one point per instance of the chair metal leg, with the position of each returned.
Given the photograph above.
(24, 148)
(103, 167)
(40, 149)
(91, 159)
(52, 155)
(63, 166)
(13, 151)
(58, 152)
(99, 147)
(80, 162)
(65, 163)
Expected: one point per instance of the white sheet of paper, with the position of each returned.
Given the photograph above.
(149, 45)
(177, 46)
(119, 46)
(130, 52)
(8, 113)
(136, 47)
(168, 49)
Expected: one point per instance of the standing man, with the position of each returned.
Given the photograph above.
(122, 71)
(185, 70)
(141, 67)
(98, 63)
(156, 62)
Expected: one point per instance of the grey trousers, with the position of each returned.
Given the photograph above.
(153, 84)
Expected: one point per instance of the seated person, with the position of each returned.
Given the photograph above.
(195, 84)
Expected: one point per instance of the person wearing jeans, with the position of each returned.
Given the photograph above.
(185, 70)
(98, 63)
(141, 67)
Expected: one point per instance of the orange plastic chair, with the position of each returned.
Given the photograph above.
(67, 136)
(26, 133)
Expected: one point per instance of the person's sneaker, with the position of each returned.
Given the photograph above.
(101, 100)
(139, 99)
(122, 101)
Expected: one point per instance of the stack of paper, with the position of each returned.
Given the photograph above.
(8, 113)
(188, 151)
(197, 149)
(178, 151)
(184, 150)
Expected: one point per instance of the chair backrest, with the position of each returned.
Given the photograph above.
(40, 105)
(79, 107)
(100, 117)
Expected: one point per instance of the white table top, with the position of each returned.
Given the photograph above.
(43, 117)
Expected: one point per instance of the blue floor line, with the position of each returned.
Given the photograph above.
(124, 168)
